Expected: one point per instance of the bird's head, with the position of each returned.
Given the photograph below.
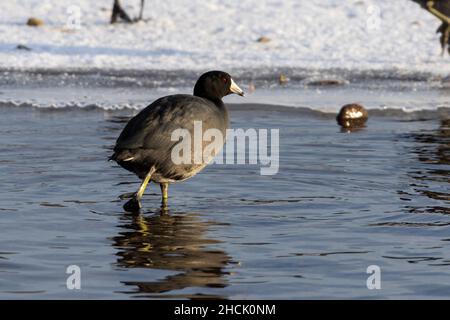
(216, 85)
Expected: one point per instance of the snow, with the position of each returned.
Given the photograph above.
(218, 34)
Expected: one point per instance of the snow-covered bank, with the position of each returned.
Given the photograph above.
(198, 34)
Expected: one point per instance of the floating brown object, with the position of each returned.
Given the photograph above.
(283, 79)
(35, 22)
(352, 116)
(263, 39)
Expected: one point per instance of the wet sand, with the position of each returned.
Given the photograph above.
(339, 203)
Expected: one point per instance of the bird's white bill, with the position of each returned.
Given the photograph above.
(234, 88)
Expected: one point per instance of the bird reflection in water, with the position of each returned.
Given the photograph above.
(432, 148)
(171, 242)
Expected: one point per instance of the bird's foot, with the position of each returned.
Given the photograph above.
(127, 195)
(133, 205)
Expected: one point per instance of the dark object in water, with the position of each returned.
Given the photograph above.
(23, 47)
(352, 116)
(440, 9)
(326, 82)
(119, 12)
(145, 145)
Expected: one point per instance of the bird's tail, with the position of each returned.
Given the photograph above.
(121, 156)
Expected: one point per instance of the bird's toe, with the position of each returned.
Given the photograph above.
(127, 195)
(132, 205)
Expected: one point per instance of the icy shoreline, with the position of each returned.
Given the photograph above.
(363, 35)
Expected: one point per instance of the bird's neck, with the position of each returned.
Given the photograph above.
(217, 101)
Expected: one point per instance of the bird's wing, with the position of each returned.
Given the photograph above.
(153, 126)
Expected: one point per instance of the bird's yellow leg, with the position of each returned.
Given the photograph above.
(143, 186)
(134, 204)
(164, 192)
(437, 13)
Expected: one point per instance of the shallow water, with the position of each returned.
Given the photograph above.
(339, 203)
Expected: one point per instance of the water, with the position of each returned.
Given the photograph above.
(339, 203)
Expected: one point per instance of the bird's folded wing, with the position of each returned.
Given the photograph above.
(152, 128)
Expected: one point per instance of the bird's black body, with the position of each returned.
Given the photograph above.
(147, 137)
(146, 144)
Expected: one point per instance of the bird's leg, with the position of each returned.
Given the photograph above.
(164, 193)
(141, 12)
(143, 186)
(444, 30)
(135, 203)
(437, 13)
(446, 38)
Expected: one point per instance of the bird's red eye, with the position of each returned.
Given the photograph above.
(224, 80)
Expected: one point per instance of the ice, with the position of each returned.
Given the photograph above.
(217, 34)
